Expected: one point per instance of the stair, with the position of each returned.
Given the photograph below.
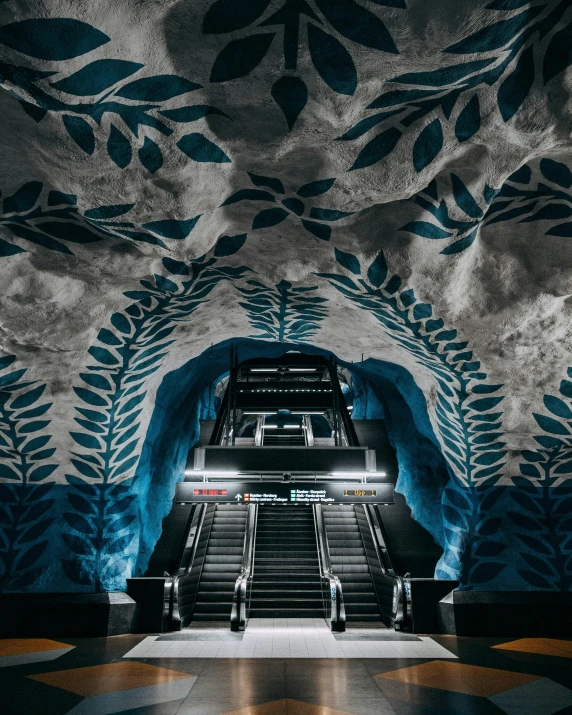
(286, 582)
(222, 562)
(349, 563)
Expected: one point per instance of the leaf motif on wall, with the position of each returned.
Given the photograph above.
(56, 38)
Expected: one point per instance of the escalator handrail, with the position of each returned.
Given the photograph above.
(338, 610)
(398, 608)
(174, 612)
(239, 599)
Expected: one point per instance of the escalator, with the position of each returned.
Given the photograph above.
(350, 563)
(286, 578)
(222, 540)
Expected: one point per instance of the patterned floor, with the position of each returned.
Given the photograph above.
(127, 674)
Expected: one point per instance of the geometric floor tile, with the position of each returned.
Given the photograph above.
(110, 678)
(20, 651)
(459, 678)
(540, 697)
(286, 706)
(541, 646)
(134, 698)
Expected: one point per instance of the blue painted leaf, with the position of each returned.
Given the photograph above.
(558, 54)
(96, 77)
(535, 544)
(458, 499)
(120, 544)
(11, 377)
(52, 38)
(82, 505)
(427, 145)
(332, 61)
(552, 212)
(150, 156)
(121, 323)
(28, 398)
(35, 443)
(291, 95)
(348, 261)
(78, 522)
(124, 466)
(377, 272)
(454, 517)
(557, 406)
(269, 217)
(229, 15)
(7, 472)
(556, 172)
(469, 120)
(489, 548)
(126, 451)
(444, 75)
(525, 522)
(100, 382)
(464, 199)
(85, 440)
(271, 183)
(199, 148)
(485, 403)
(77, 545)
(107, 212)
(564, 230)
(92, 398)
(85, 469)
(426, 229)
(24, 199)
(494, 35)
(77, 572)
(515, 88)
(171, 228)
(461, 245)
(42, 472)
(535, 579)
(564, 468)
(103, 356)
(81, 132)
(33, 111)
(525, 501)
(328, 214)
(131, 404)
(30, 556)
(176, 267)
(529, 470)
(489, 526)
(119, 147)
(486, 572)
(358, 24)
(228, 245)
(157, 89)
(377, 149)
(539, 565)
(319, 230)
(192, 113)
(315, 188)
(548, 424)
(248, 195)
(240, 57)
(30, 427)
(422, 311)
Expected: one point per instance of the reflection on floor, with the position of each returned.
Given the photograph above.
(285, 668)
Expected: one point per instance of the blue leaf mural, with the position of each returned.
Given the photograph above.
(283, 312)
(60, 39)
(102, 493)
(26, 463)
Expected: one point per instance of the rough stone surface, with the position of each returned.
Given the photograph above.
(387, 179)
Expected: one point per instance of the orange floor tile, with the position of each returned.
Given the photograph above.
(459, 678)
(19, 646)
(109, 678)
(541, 646)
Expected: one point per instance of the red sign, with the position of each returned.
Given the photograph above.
(209, 492)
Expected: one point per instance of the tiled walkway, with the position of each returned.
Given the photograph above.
(288, 638)
(286, 668)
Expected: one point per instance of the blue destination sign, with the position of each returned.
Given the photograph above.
(284, 492)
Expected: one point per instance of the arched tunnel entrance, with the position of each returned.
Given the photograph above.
(388, 415)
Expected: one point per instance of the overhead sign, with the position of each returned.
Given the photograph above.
(239, 492)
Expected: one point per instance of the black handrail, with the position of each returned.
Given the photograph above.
(239, 615)
(334, 608)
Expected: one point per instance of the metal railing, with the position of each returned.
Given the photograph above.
(388, 585)
(175, 599)
(243, 585)
(332, 595)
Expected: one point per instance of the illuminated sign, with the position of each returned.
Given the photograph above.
(239, 492)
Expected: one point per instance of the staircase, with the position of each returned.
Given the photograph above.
(224, 538)
(349, 563)
(286, 582)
